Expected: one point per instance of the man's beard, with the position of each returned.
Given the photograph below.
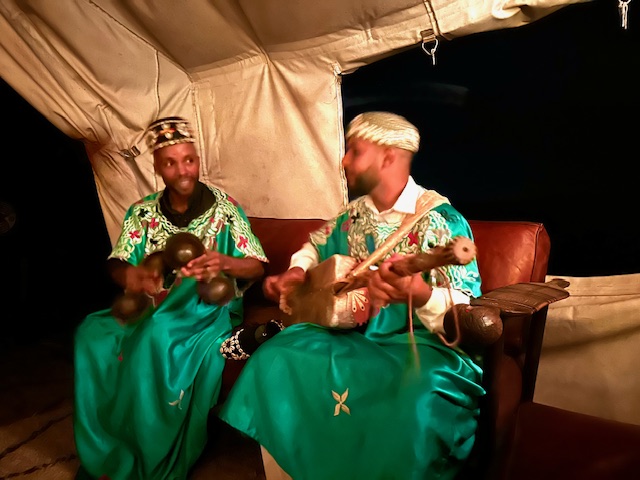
(363, 184)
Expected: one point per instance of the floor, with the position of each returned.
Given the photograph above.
(36, 408)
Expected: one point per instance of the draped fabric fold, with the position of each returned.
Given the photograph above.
(252, 76)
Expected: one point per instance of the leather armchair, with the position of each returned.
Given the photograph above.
(512, 258)
(517, 438)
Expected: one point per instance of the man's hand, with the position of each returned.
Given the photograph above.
(212, 263)
(141, 279)
(277, 287)
(386, 287)
(206, 266)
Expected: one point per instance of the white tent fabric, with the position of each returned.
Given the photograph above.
(259, 80)
(591, 349)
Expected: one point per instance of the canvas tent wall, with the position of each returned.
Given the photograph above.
(259, 80)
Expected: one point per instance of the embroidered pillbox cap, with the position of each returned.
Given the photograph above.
(385, 128)
(168, 131)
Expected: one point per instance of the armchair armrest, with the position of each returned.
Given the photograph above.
(523, 311)
(524, 298)
(479, 324)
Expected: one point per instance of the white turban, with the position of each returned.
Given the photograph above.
(385, 128)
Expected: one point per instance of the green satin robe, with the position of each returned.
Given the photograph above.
(143, 392)
(340, 404)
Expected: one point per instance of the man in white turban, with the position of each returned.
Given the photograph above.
(388, 400)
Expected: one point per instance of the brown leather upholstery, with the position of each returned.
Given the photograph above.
(510, 252)
(281, 238)
(551, 443)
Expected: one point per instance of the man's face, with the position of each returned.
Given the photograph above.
(179, 167)
(361, 163)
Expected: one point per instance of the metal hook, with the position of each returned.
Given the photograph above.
(130, 153)
(431, 52)
(623, 7)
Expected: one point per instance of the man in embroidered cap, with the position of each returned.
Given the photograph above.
(144, 385)
(378, 402)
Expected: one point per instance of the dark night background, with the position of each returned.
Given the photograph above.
(536, 123)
